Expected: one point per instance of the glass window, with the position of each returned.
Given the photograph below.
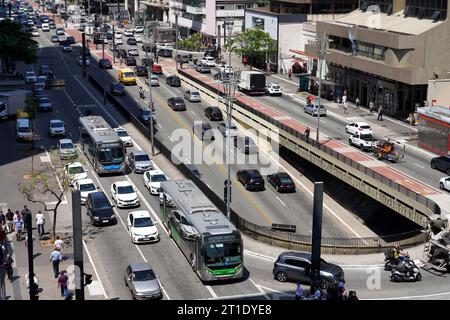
(223, 254)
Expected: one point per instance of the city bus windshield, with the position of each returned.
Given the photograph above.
(110, 153)
(225, 254)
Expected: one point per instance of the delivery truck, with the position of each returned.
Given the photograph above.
(252, 82)
(12, 101)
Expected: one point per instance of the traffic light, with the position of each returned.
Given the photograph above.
(87, 279)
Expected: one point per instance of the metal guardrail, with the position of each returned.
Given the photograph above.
(367, 171)
(266, 233)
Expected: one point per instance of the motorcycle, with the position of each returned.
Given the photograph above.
(141, 94)
(406, 271)
(390, 261)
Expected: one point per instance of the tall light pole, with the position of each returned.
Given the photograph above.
(321, 43)
(230, 85)
(176, 39)
(150, 106)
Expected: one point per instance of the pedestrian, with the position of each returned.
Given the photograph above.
(341, 293)
(299, 292)
(357, 102)
(290, 74)
(380, 113)
(8, 265)
(18, 227)
(26, 216)
(40, 221)
(345, 106)
(62, 284)
(352, 296)
(56, 258)
(315, 293)
(59, 244)
(2, 219)
(9, 221)
(307, 133)
(371, 105)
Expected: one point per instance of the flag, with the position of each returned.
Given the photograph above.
(351, 37)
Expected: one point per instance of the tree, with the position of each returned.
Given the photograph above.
(254, 44)
(15, 45)
(39, 187)
(193, 43)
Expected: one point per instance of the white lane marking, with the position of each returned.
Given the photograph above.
(259, 255)
(211, 291)
(209, 186)
(413, 297)
(125, 227)
(421, 150)
(419, 165)
(259, 289)
(235, 297)
(160, 126)
(270, 289)
(95, 269)
(193, 113)
(170, 92)
(281, 201)
(170, 138)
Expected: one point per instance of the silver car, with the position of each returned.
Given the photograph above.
(142, 281)
(139, 161)
(313, 109)
(192, 96)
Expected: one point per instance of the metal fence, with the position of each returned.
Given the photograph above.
(265, 233)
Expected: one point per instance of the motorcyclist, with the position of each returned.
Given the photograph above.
(399, 254)
(141, 92)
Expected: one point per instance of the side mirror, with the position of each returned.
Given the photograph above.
(156, 222)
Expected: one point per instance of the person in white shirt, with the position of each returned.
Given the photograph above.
(40, 221)
(59, 244)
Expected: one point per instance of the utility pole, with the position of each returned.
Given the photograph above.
(316, 234)
(31, 284)
(114, 42)
(176, 39)
(89, 21)
(77, 244)
(150, 105)
(83, 54)
(322, 43)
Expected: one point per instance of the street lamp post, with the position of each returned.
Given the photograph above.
(150, 106)
(176, 39)
(322, 42)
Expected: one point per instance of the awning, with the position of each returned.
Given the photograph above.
(302, 54)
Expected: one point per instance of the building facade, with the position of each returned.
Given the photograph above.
(387, 51)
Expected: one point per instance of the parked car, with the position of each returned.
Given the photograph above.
(361, 127)
(99, 209)
(227, 131)
(141, 227)
(444, 183)
(176, 104)
(30, 77)
(274, 89)
(56, 127)
(250, 179)
(313, 109)
(156, 68)
(245, 144)
(131, 41)
(117, 89)
(85, 186)
(213, 114)
(139, 161)
(133, 52)
(124, 194)
(203, 68)
(74, 171)
(44, 104)
(192, 96)
(296, 266)
(104, 64)
(124, 136)
(281, 181)
(142, 281)
(153, 179)
(173, 81)
(441, 163)
(141, 71)
(131, 61)
(66, 149)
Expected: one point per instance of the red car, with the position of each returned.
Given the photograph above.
(156, 68)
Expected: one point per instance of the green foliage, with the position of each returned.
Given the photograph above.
(193, 43)
(253, 43)
(16, 45)
(32, 105)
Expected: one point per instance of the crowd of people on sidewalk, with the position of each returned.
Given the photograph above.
(17, 222)
(334, 293)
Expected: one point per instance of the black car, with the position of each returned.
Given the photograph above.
(148, 62)
(281, 181)
(441, 163)
(166, 53)
(173, 81)
(213, 114)
(211, 53)
(104, 63)
(131, 41)
(177, 104)
(117, 89)
(71, 40)
(251, 179)
(202, 68)
(121, 53)
(131, 61)
(99, 209)
(141, 71)
(296, 266)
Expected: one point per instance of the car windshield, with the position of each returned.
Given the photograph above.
(101, 204)
(87, 187)
(75, 170)
(129, 74)
(223, 254)
(117, 86)
(154, 78)
(158, 178)
(143, 222)
(275, 86)
(366, 137)
(144, 275)
(67, 145)
(44, 100)
(122, 133)
(111, 153)
(285, 179)
(141, 157)
(194, 93)
(57, 125)
(125, 189)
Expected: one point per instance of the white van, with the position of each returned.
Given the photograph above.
(45, 27)
(23, 130)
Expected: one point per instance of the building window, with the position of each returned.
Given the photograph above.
(427, 8)
(220, 7)
(240, 6)
(364, 49)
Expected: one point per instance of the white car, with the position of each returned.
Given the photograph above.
(85, 186)
(80, 61)
(138, 38)
(118, 41)
(358, 127)
(75, 171)
(153, 179)
(124, 194)
(139, 29)
(66, 149)
(123, 135)
(45, 27)
(165, 46)
(444, 183)
(56, 127)
(208, 61)
(133, 52)
(154, 82)
(118, 35)
(30, 77)
(141, 227)
(226, 68)
(128, 33)
(274, 89)
(226, 132)
(35, 33)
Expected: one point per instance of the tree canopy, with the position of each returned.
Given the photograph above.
(15, 45)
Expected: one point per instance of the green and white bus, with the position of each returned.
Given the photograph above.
(209, 241)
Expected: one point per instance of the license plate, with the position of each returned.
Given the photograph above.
(105, 221)
(146, 239)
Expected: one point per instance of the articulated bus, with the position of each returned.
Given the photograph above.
(208, 240)
(102, 145)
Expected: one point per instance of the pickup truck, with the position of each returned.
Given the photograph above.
(363, 141)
